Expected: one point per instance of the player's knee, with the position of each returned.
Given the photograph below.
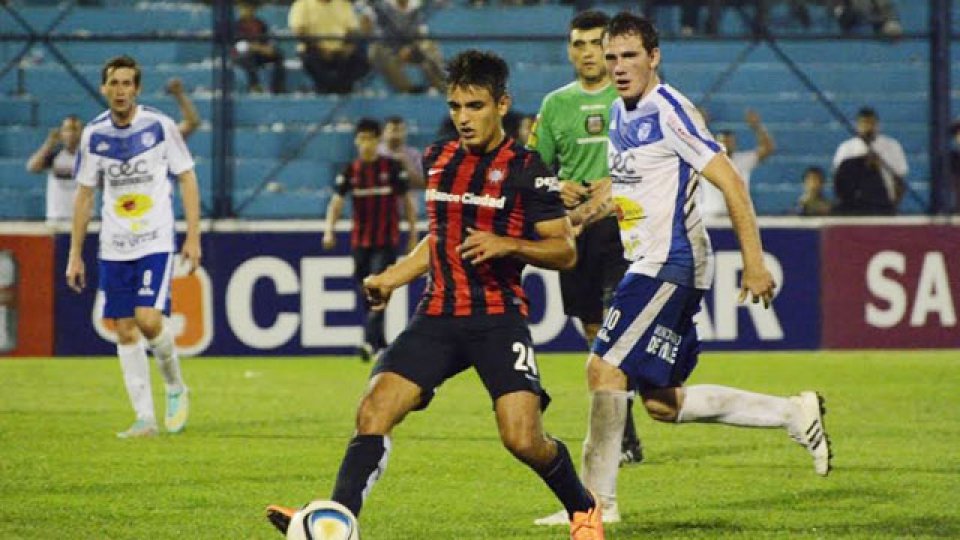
(524, 445)
(660, 411)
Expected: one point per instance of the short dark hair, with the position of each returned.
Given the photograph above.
(816, 170)
(395, 119)
(368, 125)
(479, 68)
(590, 19)
(867, 112)
(117, 62)
(626, 23)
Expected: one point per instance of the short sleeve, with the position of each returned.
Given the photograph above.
(694, 144)
(541, 191)
(85, 170)
(179, 159)
(342, 183)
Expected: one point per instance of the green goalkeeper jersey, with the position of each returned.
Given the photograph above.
(571, 129)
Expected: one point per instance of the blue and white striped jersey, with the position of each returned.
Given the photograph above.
(132, 165)
(656, 152)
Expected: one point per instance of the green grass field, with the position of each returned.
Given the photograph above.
(273, 430)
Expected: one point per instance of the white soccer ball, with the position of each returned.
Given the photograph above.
(323, 520)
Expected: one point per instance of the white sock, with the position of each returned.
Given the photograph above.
(136, 377)
(725, 405)
(601, 448)
(165, 352)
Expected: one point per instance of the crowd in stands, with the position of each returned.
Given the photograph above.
(341, 42)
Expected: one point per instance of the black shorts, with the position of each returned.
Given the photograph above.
(372, 260)
(588, 288)
(433, 349)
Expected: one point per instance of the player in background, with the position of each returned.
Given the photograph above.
(493, 207)
(376, 184)
(57, 155)
(131, 149)
(659, 152)
(571, 132)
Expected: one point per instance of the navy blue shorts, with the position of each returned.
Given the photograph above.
(143, 282)
(649, 332)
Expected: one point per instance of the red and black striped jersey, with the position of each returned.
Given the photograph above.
(375, 187)
(505, 191)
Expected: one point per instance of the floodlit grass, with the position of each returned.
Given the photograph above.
(274, 429)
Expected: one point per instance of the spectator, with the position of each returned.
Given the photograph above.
(394, 145)
(744, 160)
(253, 50)
(401, 28)
(881, 14)
(812, 202)
(191, 118)
(57, 155)
(873, 180)
(336, 61)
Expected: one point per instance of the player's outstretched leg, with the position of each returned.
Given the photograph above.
(800, 415)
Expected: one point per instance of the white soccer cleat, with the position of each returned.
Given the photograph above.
(139, 429)
(808, 429)
(610, 514)
(178, 408)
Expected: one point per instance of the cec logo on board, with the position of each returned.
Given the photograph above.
(191, 310)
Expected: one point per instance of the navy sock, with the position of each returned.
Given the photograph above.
(362, 466)
(562, 479)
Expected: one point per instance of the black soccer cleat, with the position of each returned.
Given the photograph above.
(280, 516)
(631, 454)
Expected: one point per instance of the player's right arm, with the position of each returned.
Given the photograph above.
(43, 157)
(87, 174)
(378, 288)
(82, 209)
(335, 208)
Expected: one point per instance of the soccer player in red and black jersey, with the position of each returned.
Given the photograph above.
(377, 184)
(493, 207)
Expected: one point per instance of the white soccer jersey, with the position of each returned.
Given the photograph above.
(655, 154)
(133, 163)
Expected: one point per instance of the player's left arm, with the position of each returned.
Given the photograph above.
(190, 194)
(379, 287)
(757, 281)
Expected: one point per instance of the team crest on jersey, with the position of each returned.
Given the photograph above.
(594, 124)
(495, 176)
(384, 177)
(148, 139)
(103, 147)
(644, 130)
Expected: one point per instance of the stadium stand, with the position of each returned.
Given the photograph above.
(39, 91)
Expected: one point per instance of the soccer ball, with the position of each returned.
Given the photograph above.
(323, 520)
